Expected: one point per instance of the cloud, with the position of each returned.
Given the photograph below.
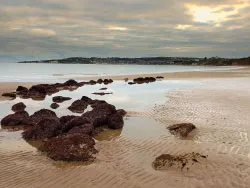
(32, 29)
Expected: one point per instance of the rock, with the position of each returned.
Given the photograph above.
(70, 82)
(70, 147)
(21, 89)
(106, 81)
(60, 99)
(142, 80)
(41, 114)
(40, 88)
(99, 81)
(78, 106)
(18, 107)
(182, 129)
(87, 128)
(159, 77)
(126, 79)
(104, 88)
(86, 99)
(16, 119)
(46, 128)
(54, 105)
(167, 161)
(94, 103)
(115, 121)
(11, 95)
(131, 83)
(121, 112)
(75, 122)
(65, 119)
(92, 82)
(101, 93)
(100, 113)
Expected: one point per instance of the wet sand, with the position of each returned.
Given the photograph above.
(219, 108)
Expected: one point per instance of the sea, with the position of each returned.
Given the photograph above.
(40, 72)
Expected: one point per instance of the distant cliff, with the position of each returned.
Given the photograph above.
(149, 61)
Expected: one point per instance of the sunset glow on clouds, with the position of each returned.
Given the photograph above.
(59, 28)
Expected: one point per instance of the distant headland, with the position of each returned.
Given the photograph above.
(217, 61)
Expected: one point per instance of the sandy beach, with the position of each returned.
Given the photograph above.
(219, 107)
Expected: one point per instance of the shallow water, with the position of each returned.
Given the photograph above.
(37, 72)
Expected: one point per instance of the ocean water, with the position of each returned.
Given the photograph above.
(14, 72)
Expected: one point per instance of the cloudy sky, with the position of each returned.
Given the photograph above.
(44, 29)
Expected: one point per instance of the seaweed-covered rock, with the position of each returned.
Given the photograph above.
(87, 128)
(41, 114)
(18, 107)
(78, 106)
(46, 128)
(115, 121)
(86, 99)
(54, 105)
(65, 119)
(99, 81)
(21, 89)
(70, 147)
(60, 99)
(181, 129)
(16, 119)
(122, 112)
(70, 82)
(75, 122)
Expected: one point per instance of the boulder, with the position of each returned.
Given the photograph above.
(92, 82)
(121, 112)
(181, 129)
(78, 106)
(65, 119)
(17, 119)
(115, 121)
(87, 128)
(86, 99)
(41, 114)
(70, 147)
(60, 99)
(54, 105)
(18, 107)
(46, 128)
(70, 82)
(99, 81)
(75, 122)
(21, 89)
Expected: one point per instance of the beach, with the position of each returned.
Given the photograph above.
(216, 102)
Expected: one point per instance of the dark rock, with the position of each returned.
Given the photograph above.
(94, 103)
(126, 79)
(11, 95)
(131, 83)
(41, 114)
(182, 129)
(106, 81)
(100, 113)
(45, 128)
(104, 88)
(71, 82)
(78, 106)
(86, 99)
(115, 121)
(99, 81)
(60, 99)
(139, 80)
(159, 77)
(75, 122)
(65, 119)
(16, 119)
(18, 107)
(70, 147)
(92, 82)
(54, 105)
(121, 112)
(40, 88)
(87, 128)
(101, 93)
(21, 89)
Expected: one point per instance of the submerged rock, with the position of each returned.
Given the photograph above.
(17, 119)
(70, 147)
(18, 107)
(60, 99)
(181, 129)
(46, 128)
(78, 106)
(54, 105)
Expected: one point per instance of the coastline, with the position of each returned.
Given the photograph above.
(232, 73)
